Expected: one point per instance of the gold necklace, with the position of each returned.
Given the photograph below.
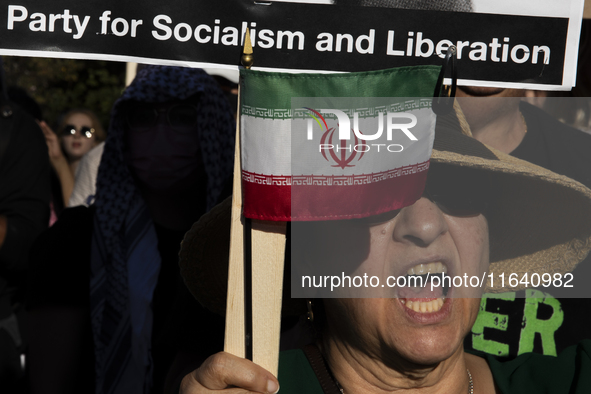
(471, 386)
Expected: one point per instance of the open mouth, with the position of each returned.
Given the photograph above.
(425, 289)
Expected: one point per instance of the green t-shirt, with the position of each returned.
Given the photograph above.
(569, 373)
(296, 375)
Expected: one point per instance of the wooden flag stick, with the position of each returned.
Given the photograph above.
(268, 252)
(234, 337)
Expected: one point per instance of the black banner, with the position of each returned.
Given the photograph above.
(491, 47)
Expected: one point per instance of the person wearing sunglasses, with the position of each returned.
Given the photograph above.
(79, 131)
(481, 213)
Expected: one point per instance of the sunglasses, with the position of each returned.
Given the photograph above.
(85, 131)
(181, 117)
(464, 194)
(461, 195)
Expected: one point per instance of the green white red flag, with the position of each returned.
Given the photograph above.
(335, 146)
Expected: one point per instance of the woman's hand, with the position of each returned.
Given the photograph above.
(53, 143)
(233, 375)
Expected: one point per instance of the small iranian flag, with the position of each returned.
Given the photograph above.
(335, 146)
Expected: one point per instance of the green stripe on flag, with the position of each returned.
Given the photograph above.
(271, 91)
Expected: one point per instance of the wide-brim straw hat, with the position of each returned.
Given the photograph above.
(539, 222)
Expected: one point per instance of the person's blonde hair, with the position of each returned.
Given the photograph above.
(99, 132)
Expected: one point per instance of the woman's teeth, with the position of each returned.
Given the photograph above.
(432, 268)
(424, 306)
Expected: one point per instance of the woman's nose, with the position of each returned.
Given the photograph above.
(421, 223)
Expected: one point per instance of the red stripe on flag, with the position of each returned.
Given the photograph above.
(279, 200)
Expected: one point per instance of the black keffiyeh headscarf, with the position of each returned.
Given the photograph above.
(125, 261)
